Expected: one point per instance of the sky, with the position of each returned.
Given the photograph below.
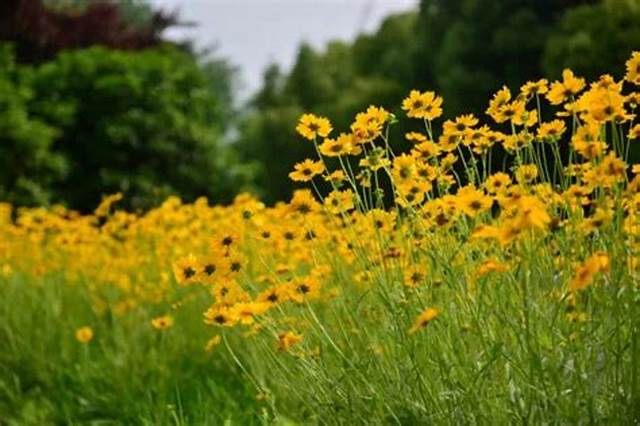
(254, 33)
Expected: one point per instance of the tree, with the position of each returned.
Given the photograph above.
(99, 121)
(40, 29)
(594, 39)
(28, 166)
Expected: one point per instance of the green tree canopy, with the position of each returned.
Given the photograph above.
(146, 123)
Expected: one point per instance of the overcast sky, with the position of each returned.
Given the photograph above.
(254, 33)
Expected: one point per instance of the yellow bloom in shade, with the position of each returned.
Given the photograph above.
(310, 126)
(633, 69)
(84, 334)
(306, 170)
(288, 339)
(163, 322)
(423, 319)
(634, 133)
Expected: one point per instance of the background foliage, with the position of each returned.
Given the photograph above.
(136, 115)
(463, 49)
(152, 118)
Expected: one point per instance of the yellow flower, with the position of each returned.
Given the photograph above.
(84, 334)
(310, 126)
(6, 270)
(551, 131)
(491, 266)
(302, 289)
(336, 177)
(415, 137)
(343, 145)
(562, 90)
(585, 273)
(634, 133)
(288, 339)
(246, 312)
(472, 201)
(404, 169)
(526, 173)
(423, 319)
(498, 182)
(412, 193)
(531, 88)
(425, 151)
(163, 322)
(425, 105)
(306, 170)
(497, 103)
(633, 69)
(103, 209)
(460, 125)
(186, 270)
(415, 276)
(221, 316)
(513, 111)
(339, 201)
(368, 125)
(303, 202)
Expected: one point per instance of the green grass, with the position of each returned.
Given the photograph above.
(129, 374)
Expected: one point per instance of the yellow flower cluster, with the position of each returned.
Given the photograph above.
(463, 202)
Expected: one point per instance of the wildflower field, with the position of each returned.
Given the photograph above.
(471, 274)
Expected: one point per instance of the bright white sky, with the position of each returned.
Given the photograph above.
(254, 33)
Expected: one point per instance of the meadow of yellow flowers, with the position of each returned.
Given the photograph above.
(472, 273)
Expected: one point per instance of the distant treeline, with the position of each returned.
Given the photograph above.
(465, 50)
(151, 118)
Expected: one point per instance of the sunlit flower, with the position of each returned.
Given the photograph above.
(310, 126)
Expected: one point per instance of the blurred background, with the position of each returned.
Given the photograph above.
(201, 97)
